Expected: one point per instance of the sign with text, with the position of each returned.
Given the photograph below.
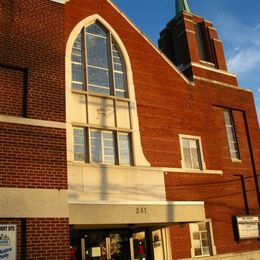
(248, 227)
(94, 252)
(8, 242)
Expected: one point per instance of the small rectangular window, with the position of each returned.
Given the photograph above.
(79, 137)
(201, 239)
(191, 153)
(102, 146)
(231, 134)
(124, 148)
(200, 42)
(106, 147)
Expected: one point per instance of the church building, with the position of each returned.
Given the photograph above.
(112, 148)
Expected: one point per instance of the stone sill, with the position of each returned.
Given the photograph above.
(181, 170)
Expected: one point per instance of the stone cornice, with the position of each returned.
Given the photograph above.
(60, 1)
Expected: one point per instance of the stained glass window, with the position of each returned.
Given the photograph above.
(97, 64)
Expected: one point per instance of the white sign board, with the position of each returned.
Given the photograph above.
(8, 242)
(248, 227)
(94, 252)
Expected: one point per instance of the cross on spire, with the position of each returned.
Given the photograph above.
(182, 5)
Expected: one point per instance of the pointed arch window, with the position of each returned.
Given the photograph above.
(97, 63)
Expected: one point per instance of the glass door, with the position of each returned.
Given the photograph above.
(125, 244)
(94, 246)
(138, 245)
(119, 246)
(158, 245)
(106, 246)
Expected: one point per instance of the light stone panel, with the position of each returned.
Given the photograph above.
(101, 111)
(115, 183)
(79, 113)
(123, 115)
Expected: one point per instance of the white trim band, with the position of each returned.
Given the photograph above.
(213, 69)
(32, 122)
(102, 202)
(182, 170)
(102, 214)
(33, 203)
(60, 1)
(222, 84)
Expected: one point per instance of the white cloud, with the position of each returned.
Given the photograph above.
(243, 60)
(237, 33)
(242, 43)
(257, 27)
(258, 90)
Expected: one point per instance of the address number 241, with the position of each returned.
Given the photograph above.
(140, 211)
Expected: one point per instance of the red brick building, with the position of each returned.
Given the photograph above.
(114, 149)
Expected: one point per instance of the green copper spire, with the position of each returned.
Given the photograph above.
(182, 5)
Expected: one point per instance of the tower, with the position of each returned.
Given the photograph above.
(192, 44)
(182, 5)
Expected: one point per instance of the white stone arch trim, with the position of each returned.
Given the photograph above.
(139, 158)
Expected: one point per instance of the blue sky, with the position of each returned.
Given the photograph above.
(237, 22)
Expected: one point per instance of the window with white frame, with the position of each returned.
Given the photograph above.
(102, 146)
(201, 239)
(98, 73)
(191, 153)
(79, 137)
(231, 135)
(97, 64)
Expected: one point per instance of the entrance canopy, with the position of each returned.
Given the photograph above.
(143, 212)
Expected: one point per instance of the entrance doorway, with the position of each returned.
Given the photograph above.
(119, 244)
(115, 245)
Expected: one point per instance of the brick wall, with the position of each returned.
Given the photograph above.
(35, 157)
(12, 90)
(32, 37)
(167, 106)
(48, 239)
(180, 241)
(32, 157)
(45, 238)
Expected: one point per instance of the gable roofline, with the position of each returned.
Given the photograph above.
(150, 42)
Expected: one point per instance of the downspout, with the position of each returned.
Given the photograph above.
(252, 158)
(23, 238)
